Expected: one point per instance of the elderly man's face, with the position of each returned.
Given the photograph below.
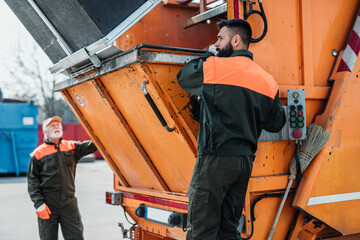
(54, 130)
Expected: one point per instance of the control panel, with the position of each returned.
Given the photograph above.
(296, 114)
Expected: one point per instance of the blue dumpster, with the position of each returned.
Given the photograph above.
(18, 136)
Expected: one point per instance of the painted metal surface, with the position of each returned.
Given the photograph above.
(214, 12)
(305, 61)
(330, 188)
(164, 26)
(296, 65)
(149, 161)
(18, 136)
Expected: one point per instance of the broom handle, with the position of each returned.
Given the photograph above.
(280, 209)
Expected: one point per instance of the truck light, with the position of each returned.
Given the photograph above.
(161, 216)
(113, 198)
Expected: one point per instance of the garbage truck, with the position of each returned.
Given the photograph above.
(121, 59)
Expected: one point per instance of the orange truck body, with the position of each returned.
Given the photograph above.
(153, 166)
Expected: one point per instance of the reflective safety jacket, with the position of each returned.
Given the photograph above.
(51, 174)
(238, 100)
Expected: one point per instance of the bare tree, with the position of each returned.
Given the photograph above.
(32, 81)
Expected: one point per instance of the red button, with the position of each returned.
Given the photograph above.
(300, 113)
(297, 133)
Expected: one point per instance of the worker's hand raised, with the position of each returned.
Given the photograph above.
(213, 49)
(43, 212)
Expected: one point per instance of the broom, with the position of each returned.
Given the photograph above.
(317, 137)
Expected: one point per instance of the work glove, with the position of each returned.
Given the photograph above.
(43, 212)
(213, 49)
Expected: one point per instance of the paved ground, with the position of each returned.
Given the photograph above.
(17, 215)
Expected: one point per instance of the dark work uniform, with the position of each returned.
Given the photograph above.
(238, 100)
(51, 180)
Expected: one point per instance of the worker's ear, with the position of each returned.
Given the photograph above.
(236, 40)
(44, 132)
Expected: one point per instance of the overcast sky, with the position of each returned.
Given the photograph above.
(10, 26)
(12, 31)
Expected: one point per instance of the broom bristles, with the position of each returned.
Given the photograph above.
(316, 139)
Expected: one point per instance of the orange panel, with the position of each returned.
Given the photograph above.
(164, 26)
(264, 212)
(328, 32)
(106, 126)
(297, 47)
(165, 77)
(279, 52)
(169, 151)
(349, 237)
(330, 189)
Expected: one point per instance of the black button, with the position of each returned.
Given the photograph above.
(300, 107)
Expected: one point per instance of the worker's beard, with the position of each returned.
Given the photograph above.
(226, 51)
(56, 133)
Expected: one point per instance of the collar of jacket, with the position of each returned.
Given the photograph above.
(243, 53)
(46, 141)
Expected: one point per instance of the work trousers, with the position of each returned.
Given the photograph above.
(66, 213)
(216, 196)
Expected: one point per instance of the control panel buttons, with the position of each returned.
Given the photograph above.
(296, 94)
(297, 133)
(296, 114)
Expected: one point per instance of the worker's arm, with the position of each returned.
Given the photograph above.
(33, 178)
(190, 77)
(276, 119)
(84, 148)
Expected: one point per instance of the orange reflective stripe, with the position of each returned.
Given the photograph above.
(240, 72)
(44, 150)
(66, 146)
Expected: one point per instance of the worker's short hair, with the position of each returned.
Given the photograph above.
(238, 26)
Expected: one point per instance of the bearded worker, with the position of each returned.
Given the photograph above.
(238, 100)
(51, 182)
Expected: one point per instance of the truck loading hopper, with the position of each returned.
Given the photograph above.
(113, 104)
(75, 32)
